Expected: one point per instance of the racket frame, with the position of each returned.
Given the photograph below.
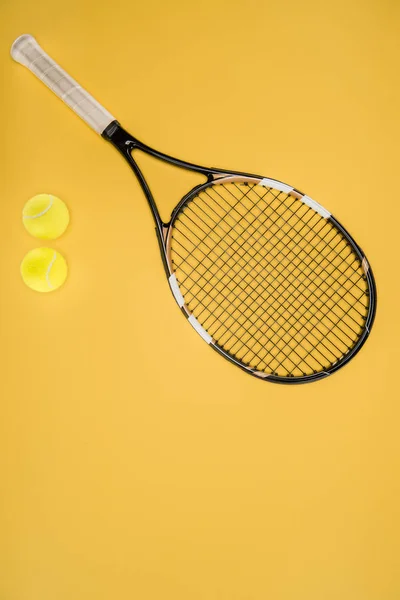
(125, 143)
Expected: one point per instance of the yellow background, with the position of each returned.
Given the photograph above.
(136, 462)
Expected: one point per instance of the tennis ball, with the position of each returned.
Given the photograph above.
(44, 269)
(45, 216)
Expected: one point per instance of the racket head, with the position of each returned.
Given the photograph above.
(269, 278)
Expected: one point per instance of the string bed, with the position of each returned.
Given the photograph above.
(275, 284)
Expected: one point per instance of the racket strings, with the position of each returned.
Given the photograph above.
(279, 313)
(316, 233)
(281, 262)
(280, 252)
(216, 332)
(276, 285)
(296, 256)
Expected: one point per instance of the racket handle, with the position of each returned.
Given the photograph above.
(27, 51)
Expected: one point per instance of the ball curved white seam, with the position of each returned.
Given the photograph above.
(43, 211)
(49, 269)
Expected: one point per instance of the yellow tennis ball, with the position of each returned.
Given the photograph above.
(45, 216)
(44, 269)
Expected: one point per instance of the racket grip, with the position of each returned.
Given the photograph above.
(27, 51)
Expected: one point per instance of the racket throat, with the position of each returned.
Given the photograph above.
(125, 144)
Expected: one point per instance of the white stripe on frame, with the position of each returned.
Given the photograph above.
(276, 185)
(200, 330)
(175, 290)
(315, 206)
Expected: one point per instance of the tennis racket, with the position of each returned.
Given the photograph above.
(264, 274)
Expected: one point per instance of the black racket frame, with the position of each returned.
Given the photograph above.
(125, 143)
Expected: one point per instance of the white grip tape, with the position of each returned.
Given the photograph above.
(27, 51)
